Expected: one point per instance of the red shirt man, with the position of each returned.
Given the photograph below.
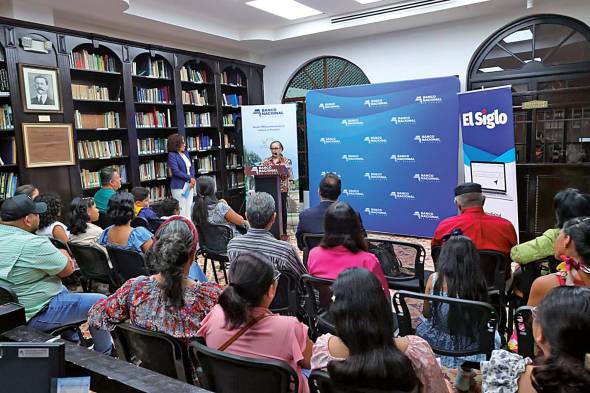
(486, 231)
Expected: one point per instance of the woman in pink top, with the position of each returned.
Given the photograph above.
(365, 355)
(253, 283)
(343, 246)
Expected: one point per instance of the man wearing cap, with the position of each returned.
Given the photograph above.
(486, 231)
(33, 268)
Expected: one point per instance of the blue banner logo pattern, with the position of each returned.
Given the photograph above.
(395, 146)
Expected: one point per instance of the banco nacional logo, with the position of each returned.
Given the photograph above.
(353, 192)
(426, 177)
(403, 120)
(324, 173)
(374, 140)
(375, 176)
(375, 211)
(429, 99)
(427, 138)
(352, 157)
(402, 195)
(376, 102)
(328, 105)
(352, 122)
(403, 158)
(263, 112)
(330, 141)
(426, 215)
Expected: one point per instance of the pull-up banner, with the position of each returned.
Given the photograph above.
(395, 147)
(488, 148)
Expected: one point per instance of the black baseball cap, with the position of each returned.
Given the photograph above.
(20, 206)
(467, 188)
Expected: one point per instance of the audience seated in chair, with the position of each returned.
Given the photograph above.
(168, 301)
(110, 182)
(343, 246)
(487, 232)
(312, 220)
(168, 207)
(27, 189)
(121, 234)
(243, 307)
(560, 327)
(141, 207)
(573, 247)
(458, 276)
(48, 222)
(260, 212)
(83, 232)
(208, 209)
(365, 354)
(33, 268)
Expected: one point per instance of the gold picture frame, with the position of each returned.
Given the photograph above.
(48, 145)
(40, 89)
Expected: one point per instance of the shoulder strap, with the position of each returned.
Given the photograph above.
(240, 332)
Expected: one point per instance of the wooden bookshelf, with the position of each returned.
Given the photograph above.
(9, 171)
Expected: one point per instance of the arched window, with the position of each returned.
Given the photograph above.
(322, 73)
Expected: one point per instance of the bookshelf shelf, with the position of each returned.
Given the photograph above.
(8, 167)
(193, 83)
(237, 168)
(156, 128)
(150, 103)
(102, 73)
(208, 106)
(154, 180)
(148, 155)
(82, 101)
(4, 94)
(103, 159)
(240, 188)
(152, 78)
(206, 172)
(101, 129)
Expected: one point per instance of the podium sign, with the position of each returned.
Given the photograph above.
(267, 178)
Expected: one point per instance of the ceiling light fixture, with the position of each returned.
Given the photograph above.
(288, 9)
(530, 3)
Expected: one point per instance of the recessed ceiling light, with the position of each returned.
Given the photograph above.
(491, 69)
(288, 9)
(367, 1)
(521, 35)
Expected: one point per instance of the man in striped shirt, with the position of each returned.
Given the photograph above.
(260, 212)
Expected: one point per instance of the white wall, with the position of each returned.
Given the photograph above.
(438, 50)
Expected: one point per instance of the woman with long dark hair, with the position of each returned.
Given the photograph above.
(343, 246)
(49, 224)
(573, 247)
(560, 328)
(458, 275)
(244, 303)
(168, 301)
(208, 209)
(365, 355)
(83, 213)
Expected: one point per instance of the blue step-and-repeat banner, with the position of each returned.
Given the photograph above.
(395, 147)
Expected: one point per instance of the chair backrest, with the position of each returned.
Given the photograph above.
(155, 351)
(140, 222)
(104, 220)
(223, 372)
(155, 223)
(213, 238)
(310, 240)
(93, 263)
(523, 323)
(286, 301)
(411, 257)
(59, 244)
(435, 253)
(495, 267)
(7, 295)
(318, 301)
(126, 264)
(479, 317)
(319, 382)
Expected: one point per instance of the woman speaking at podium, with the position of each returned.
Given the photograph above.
(277, 158)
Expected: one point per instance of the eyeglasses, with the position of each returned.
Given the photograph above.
(277, 275)
(534, 312)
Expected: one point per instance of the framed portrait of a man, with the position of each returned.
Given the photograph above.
(40, 89)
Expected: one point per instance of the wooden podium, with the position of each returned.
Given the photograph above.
(267, 178)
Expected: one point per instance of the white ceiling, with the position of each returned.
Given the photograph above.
(231, 25)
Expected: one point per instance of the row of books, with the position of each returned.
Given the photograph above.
(91, 92)
(153, 170)
(228, 141)
(158, 193)
(100, 149)
(205, 164)
(4, 85)
(91, 179)
(108, 119)
(195, 97)
(233, 161)
(84, 60)
(200, 142)
(7, 150)
(235, 179)
(6, 119)
(229, 119)
(8, 182)
(232, 100)
(234, 79)
(153, 119)
(187, 74)
(152, 68)
(157, 94)
(152, 146)
(192, 119)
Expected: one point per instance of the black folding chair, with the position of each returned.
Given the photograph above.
(213, 240)
(287, 296)
(310, 240)
(126, 264)
(479, 318)
(104, 221)
(94, 266)
(406, 253)
(435, 253)
(155, 223)
(319, 382)
(523, 323)
(223, 372)
(155, 351)
(7, 295)
(59, 244)
(141, 222)
(318, 301)
(496, 269)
